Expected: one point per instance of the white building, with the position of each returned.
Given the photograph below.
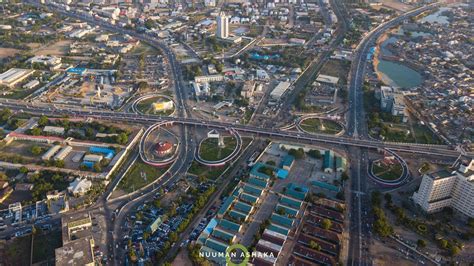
(391, 100)
(45, 60)
(210, 3)
(63, 153)
(54, 130)
(279, 90)
(222, 26)
(95, 158)
(14, 75)
(448, 189)
(47, 155)
(79, 187)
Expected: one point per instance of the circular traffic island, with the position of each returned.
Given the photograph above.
(216, 149)
(387, 171)
(317, 125)
(155, 105)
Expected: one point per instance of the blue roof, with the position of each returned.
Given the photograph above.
(258, 182)
(282, 220)
(248, 198)
(279, 229)
(252, 190)
(291, 202)
(210, 226)
(242, 207)
(221, 234)
(325, 185)
(225, 206)
(76, 70)
(328, 160)
(254, 171)
(216, 245)
(287, 209)
(287, 160)
(238, 215)
(282, 173)
(228, 225)
(295, 191)
(109, 153)
(88, 164)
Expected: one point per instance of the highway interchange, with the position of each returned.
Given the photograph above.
(356, 139)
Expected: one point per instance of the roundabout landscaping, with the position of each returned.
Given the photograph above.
(389, 175)
(316, 125)
(154, 104)
(210, 153)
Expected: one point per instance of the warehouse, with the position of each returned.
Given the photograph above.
(63, 153)
(50, 152)
(279, 90)
(13, 76)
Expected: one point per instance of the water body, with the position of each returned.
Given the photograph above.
(398, 75)
(437, 17)
(258, 56)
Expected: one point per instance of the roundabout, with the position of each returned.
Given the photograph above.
(392, 176)
(159, 150)
(155, 104)
(320, 125)
(217, 150)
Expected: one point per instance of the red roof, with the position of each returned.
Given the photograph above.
(163, 146)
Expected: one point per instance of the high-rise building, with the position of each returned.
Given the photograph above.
(222, 26)
(446, 188)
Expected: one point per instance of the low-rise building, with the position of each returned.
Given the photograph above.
(54, 130)
(79, 187)
(13, 76)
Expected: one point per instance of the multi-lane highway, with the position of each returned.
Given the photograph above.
(356, 139)
(357, 129)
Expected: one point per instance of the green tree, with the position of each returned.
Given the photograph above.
(454, 250)
(97, 167)
(326, 224)
(421, 243)
(314, 245)
(43, 120)
(23, 170)
(36, 150)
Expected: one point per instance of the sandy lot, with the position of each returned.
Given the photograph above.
(6, 52)
(59, 48)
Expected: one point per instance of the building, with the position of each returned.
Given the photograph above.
(392, 101)
(163, 106)
(95, 158)
(30, 85)
(14, 75)
(79, 187)
(327, 79)
(78, 252)
(222, 26)
(248, 89)
(328, 161)
(47, 155)
(279, 90)
(77, 239)
(209, 78)
(45, 60)
(445, 188)
(163, 148)
(54, 130)
(63, 153)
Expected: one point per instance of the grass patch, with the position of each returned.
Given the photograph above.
(146, 107)
(391, 173)
(325, 126)
(44, 246)
(140, 175)
(337, 68)
(209, 172)
(210, 151)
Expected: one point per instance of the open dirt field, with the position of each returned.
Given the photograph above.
(6, 52)
(59, 48)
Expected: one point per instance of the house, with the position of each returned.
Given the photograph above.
(79, 187)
